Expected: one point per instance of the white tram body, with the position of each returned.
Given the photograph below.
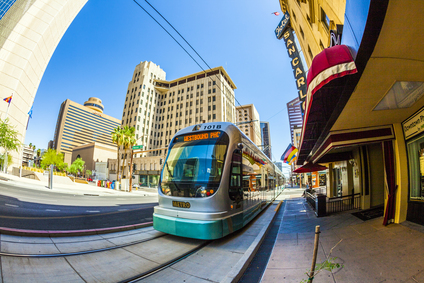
(213, 182)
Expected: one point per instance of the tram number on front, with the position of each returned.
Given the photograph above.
(211, 127)
(181, 204)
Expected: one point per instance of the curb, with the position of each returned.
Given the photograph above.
(71, 233)
(240, 267)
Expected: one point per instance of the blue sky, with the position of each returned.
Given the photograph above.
(98, 54)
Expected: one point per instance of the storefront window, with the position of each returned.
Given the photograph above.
(416, 168)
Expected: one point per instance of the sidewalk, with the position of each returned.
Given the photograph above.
(368, 251)
(71, 188)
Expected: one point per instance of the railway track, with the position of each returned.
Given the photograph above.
(151, 253)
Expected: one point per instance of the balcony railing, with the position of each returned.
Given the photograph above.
(338, 204)
(334, 204)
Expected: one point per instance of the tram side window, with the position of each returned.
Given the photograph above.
(235, 192)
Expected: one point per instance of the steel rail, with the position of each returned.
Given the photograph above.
(164, 266)
(80, 252)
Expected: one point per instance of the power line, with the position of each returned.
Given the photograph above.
(168, 33)
(253, 128)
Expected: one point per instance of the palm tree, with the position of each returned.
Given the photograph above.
(128, 137)
(131, 142)
(38, 156)
(118, 138)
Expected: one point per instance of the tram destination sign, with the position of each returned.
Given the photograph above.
(198, 137)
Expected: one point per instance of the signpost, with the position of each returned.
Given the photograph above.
(137, 147)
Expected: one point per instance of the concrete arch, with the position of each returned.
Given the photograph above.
(29, 33)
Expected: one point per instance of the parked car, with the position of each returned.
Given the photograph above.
(89, 180)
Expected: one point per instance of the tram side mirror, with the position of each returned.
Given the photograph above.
(240, 145)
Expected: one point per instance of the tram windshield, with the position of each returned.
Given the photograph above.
(194, 165)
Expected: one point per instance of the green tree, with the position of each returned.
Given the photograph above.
(117, 138)
(52, 157)
(131, 141)
(8, 139)
(77, 166)
(88, 173)
(128, 138)
(9, 158)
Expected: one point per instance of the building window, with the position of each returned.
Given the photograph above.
(415, 150)
(301, 32)
(310, 53)
(325, 19)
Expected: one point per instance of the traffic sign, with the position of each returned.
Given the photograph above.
(137, 147)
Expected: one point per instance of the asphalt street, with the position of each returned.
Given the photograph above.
(24, 208)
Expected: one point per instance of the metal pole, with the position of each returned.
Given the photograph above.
(5, 163)
(314, 259)
(51, 177)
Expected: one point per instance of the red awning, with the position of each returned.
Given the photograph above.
(309, 167)
(331, 63)
(323, 92)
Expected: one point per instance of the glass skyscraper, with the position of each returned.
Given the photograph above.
(82, 124)
(5, 6)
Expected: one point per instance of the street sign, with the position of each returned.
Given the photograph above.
(137, 147)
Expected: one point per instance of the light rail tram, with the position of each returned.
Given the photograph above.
(213, 182)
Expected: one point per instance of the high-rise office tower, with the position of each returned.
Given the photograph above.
(248, 122)
(30, 30)
(158, 108)
(266, 139)
(82, 124)
(295, 116)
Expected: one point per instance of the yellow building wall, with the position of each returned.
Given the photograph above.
(401, 163)
(312, 33)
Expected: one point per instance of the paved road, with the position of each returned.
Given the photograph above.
(23, 208)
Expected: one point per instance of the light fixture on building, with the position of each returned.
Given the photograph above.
(401, 95)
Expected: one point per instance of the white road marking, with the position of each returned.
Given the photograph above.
(13, 205)
(52, 210)
(93, 211)
(122, 209)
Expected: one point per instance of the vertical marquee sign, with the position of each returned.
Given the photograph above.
(285, 31)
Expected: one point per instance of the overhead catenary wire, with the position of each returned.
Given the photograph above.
(251, 119)
(256, 131)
